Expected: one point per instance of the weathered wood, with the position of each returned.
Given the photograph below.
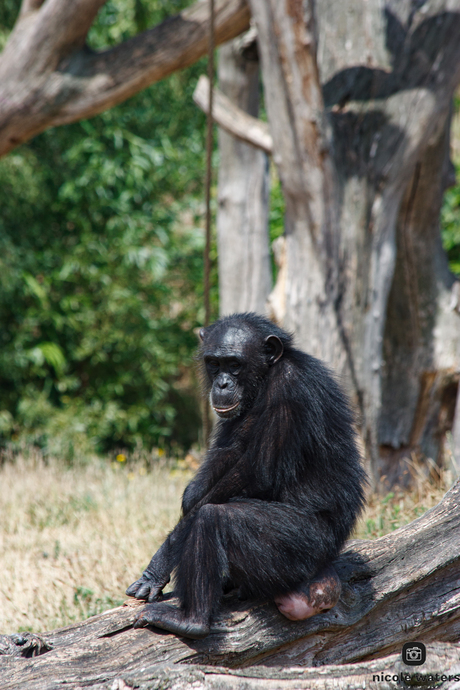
(455, 438)
(296, 113)
(49, 77)
(233, 119)
(245, 274)
(421, 346)
(381, 674)
(399, 588)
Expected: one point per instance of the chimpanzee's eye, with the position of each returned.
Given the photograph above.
(234, 367)
(212, 366)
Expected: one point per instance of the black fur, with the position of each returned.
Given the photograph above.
(281, 485)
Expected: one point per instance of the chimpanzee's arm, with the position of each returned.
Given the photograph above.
(157, 574)
(214, 467)
(155, 577)
(231, 472)
(192, 494)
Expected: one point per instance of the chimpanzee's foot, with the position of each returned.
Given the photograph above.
(171, 619)
(317, 596)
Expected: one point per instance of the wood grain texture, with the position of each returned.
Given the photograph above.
(380, 674)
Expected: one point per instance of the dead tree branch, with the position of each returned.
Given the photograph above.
(233, 119)
(49, 77)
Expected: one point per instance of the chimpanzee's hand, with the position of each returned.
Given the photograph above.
(155, 576)
(149, 586)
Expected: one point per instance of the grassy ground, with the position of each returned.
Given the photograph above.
(386, 513)
(72, 540)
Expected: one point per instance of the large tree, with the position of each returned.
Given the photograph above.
(358, 97)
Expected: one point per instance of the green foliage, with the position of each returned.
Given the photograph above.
(276, 214)
(277, 207)
(450, 224)
(9, 10)
(450, 212)
(101, 267)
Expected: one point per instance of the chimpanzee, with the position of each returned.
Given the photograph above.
(277, 494)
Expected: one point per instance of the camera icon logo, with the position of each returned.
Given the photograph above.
(414, 653)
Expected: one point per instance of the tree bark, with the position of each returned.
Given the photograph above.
(348, 154)
(399, 588)
(243, 188)
(386, 673)
(421, 347)
(49, 77)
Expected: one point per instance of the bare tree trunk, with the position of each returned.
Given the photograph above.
(242, 215)
(455, 439)
(348, 154)
(421, 349)
(385, 602)
(232, 118)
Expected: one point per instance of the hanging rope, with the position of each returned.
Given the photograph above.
(208, 182)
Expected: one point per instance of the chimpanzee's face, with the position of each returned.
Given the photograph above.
(225, 356)
(235, 364)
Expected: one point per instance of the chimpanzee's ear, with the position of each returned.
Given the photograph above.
(201, 333)
(274, 348)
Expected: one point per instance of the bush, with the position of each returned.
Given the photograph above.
(101, 267)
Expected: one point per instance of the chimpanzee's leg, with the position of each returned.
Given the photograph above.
(201, 571)
(255, 543)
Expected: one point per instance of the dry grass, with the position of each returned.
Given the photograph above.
(386, 513)
(72, 540)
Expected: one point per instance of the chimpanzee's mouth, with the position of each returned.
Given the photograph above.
(224, 411)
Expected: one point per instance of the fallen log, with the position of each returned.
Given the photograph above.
(400, 588)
